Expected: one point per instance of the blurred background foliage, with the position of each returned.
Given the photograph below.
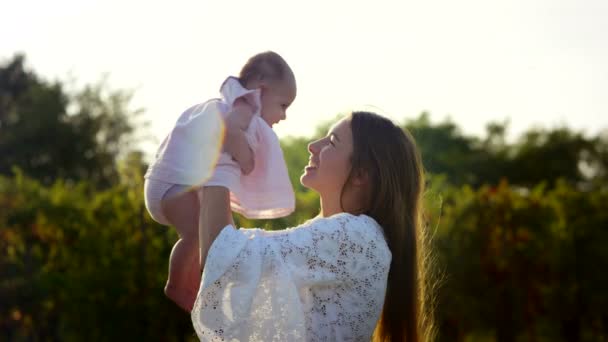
(519, 228)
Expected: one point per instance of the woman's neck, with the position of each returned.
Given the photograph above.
(330, 208)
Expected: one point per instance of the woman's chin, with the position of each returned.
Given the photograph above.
(304, 180)
(307, 179)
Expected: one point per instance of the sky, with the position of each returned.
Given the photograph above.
(540, 63)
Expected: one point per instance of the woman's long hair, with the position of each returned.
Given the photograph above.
(388, 156)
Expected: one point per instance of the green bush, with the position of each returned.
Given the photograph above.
(517, 264)
(83, 265)
(523, 265)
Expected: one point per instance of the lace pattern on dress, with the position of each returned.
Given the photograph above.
(324, 280)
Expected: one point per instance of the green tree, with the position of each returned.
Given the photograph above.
(539, 155)
(38, 135)
(549, 155)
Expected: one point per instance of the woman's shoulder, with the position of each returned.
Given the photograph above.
(329, 236)
(361, 227)
(355, 237)
(340, 226)
(345, 220)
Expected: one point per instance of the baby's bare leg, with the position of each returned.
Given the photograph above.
(182, 211)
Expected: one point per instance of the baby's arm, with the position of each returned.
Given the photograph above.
(236, 142)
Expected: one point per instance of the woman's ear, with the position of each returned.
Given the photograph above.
(360, 178)
(356, 196)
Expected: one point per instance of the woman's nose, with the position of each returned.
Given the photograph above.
(315, 146)
(312, 147)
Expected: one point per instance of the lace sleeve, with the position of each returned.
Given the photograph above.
(325, 279)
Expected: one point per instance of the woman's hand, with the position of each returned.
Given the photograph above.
(235, 142)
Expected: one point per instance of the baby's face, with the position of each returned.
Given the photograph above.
(276, 98)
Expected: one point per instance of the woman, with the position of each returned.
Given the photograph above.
(353, 273)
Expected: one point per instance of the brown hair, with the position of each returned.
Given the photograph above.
(388, 156)
(267, 65)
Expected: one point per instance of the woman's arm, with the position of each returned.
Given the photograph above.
(215, 212)
(214, 215)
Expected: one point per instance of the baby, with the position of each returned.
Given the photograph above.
(251, 164)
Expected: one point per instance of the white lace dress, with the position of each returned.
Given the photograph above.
(324, 280)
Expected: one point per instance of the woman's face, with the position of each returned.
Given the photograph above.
(329, 164)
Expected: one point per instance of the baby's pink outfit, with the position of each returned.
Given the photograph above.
(191, 156)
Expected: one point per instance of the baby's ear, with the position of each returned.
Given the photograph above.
(262, 85)
(256, 84)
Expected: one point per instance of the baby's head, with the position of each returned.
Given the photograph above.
(269, 72)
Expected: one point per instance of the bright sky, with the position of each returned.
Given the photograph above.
(542, 62)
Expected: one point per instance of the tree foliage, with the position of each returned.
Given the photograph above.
(51, 134)
(518, 229)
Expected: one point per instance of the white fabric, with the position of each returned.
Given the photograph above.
(188, 154)
(154, 192)
(267, 191)
(191, 155)
(324, 280)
